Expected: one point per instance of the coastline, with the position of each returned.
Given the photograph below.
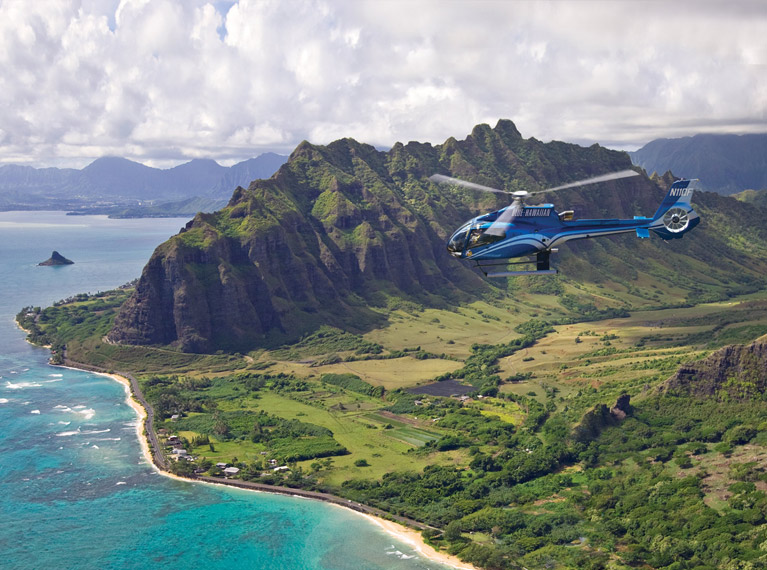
(414, 539)
(396, 530)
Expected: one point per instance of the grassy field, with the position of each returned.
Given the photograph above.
(384, 440)
(365, 438)
(451, 332)
(390, 373)
(629, 350)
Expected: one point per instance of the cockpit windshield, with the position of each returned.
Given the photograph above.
(456, 243)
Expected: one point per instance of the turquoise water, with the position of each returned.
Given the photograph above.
(75, 490)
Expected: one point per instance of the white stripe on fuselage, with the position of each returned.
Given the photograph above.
(536, 239)
(565, 236)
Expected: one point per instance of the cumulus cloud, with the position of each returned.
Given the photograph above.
(161, 81)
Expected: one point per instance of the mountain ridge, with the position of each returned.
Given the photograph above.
(724, 163)
(344, 227)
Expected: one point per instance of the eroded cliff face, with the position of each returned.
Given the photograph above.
(735, 372)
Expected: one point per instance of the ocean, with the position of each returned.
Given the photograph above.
(75, 490)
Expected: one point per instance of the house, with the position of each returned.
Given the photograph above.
(231, 471)
(272, 462)
(173, 439)
(179, 453)
(221, 465)
(175, 417)
(281, 468)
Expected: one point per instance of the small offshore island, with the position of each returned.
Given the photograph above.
(56, 259)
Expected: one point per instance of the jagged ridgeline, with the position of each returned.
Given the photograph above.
(344, 227)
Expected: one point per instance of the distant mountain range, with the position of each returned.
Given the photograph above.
(120, 186)
(725, 164)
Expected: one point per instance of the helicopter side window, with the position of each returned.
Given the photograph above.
(479, 237)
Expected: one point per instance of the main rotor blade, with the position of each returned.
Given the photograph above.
(594, 180)
(441, 179)
(501, 224)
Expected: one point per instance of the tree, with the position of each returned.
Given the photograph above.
(453, 531)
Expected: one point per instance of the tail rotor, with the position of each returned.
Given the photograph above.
(676, 220)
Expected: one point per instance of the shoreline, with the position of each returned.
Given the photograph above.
(414, 539)
(400, 532)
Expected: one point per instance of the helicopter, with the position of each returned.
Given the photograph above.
(519, 230)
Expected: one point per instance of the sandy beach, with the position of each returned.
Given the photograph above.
(400, 532)
(414, 539)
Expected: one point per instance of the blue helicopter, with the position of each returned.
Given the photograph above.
(523, 231)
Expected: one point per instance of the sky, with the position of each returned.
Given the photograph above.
(165, 81)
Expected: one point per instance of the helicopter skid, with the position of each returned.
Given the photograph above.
(516, 273)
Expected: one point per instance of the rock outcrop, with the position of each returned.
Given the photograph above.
(735, 372)
(599, 417)
(56, 259)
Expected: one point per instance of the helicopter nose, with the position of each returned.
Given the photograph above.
(457, 242)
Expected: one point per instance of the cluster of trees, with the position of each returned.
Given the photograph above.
(326, 340)
(80, 317)
(586, 310)
(286, 440)
(636, 498)
(352, 382)
(481, 367)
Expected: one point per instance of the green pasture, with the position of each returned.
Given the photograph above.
(402, 431)
(506, 411)
(353, 429)
(451, 332)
